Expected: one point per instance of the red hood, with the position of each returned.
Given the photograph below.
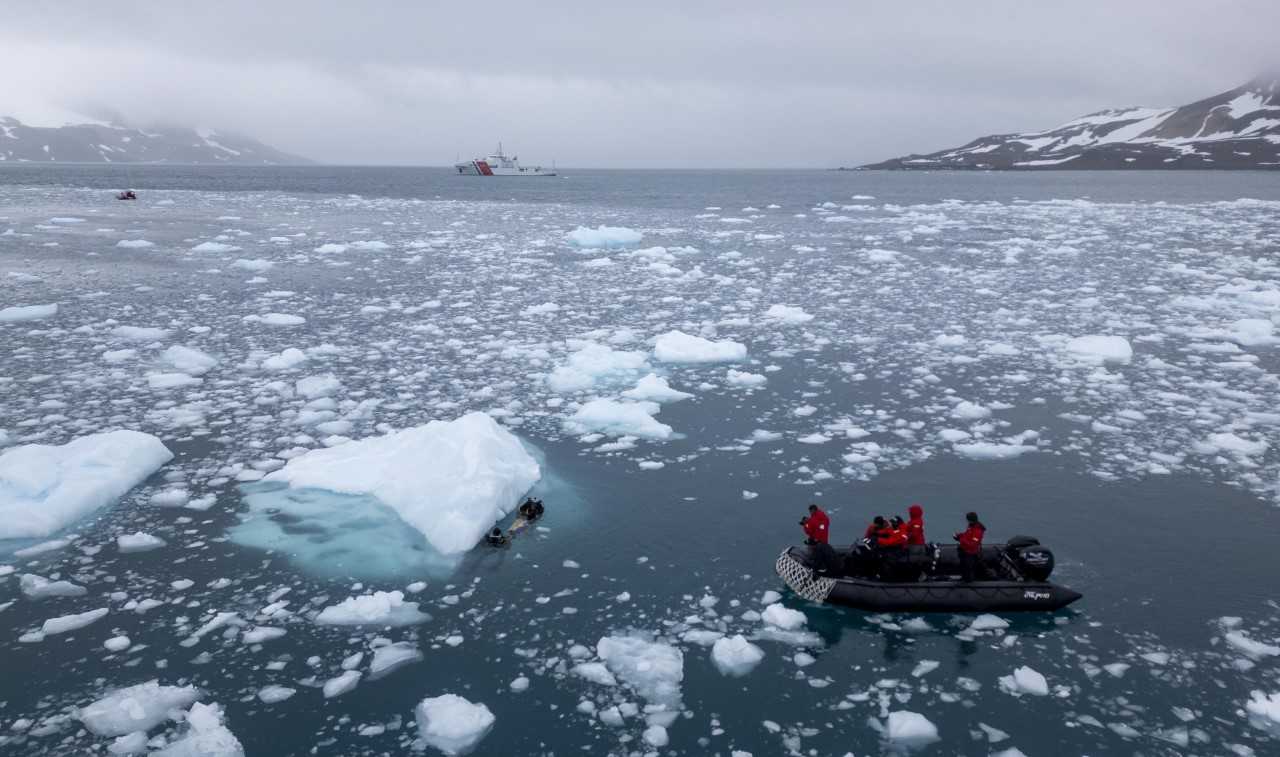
(915, 511)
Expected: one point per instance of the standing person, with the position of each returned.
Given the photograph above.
(816, 525)
(915, 525)
(970, 541)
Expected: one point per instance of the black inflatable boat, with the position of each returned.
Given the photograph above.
(926, 578)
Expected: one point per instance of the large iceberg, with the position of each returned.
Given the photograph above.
(43, 488)
(449, 480)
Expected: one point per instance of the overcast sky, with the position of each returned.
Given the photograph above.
(645, 83)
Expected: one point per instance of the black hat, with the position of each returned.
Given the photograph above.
(879, 520)
(895, 520)
(971, 517)
(812, 507)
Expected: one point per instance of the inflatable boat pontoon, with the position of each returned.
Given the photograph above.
(926, 578)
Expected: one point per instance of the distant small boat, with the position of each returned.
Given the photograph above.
(498, 164)
(128, 194)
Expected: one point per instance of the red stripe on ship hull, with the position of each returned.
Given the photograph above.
(484, 168)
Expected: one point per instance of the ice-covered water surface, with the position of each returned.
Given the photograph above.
(1086, 371)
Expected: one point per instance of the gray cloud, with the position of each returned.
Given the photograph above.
(646, 84)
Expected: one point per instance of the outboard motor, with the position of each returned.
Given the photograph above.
(1034, 561)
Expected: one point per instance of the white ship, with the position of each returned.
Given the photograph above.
(499, 164)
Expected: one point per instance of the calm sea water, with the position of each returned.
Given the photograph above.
(925, 291)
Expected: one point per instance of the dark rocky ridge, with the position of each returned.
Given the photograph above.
(1237, 129)
(114, 143)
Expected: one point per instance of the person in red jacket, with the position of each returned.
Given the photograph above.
(816, 525)
(890, 549)
(970, 541)
(875, 525)
(915, 525)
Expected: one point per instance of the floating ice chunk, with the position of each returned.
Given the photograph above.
(1250, 647)
(656, 736)
(783, 617)
(44, 488)
(604, 237)
(39, 587)
(1253, 332)
(117, 643)
(172, 380)
(277, 319)
(906, 727)
(654, 388)
(679, 347)
(595, 363)
(138, 542)
(991, 450)
(744, 379)
(170, 498)
(135, 708)
(134, 244)
(619, 419)
(735, 656)
(262, 634)
(787, 314)
(519, 684)
(42, 547)
(130, 743)
(546, 308)
(596, 672)
(291, 357)
(924, 667)
(988, 622)
(275, 693)
(392, 657)
(341, 684)
(139, 333)
(969, 411)
(651, 669)
(314, 387)
(452, 724)
(1025, 681)
(381, 608)
(214, 247)
(28, 313)
(189, 360)
(1265, 708)
(475, 470)
(256, 264)
(118, 356)
(206, 736)
(1231, 443)
(1100, 349)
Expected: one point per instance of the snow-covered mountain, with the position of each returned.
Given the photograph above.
(1237, 129)
(114, 143)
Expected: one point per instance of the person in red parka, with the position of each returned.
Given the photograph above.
(816, 525)
(915, 525)
(890, 543)
(970, 541)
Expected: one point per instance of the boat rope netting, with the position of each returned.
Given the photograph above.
(802, 580)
